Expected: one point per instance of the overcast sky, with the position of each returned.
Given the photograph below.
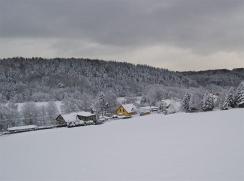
(173, 34)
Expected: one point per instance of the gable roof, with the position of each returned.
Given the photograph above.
(130, 108)
(72, 116)
(69, 117)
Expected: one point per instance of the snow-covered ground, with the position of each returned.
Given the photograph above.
(179, 147)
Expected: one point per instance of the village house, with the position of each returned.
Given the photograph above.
(126, 110)
(64, 119)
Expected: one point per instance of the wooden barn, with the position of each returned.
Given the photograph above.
(126, 110)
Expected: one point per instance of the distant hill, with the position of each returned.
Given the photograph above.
(38, 79)
(221, 77)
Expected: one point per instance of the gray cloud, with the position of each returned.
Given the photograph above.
(124, 26)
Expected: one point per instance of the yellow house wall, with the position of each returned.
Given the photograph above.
(122, 111)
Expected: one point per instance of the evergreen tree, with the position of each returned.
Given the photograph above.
(229, 100)
(208, 102)
(225, 105)
(186, 102)
(240, 95)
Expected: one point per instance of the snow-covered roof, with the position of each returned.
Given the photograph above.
(153, 107)
(86, 114)
(130, 108)
(69, 117)
(72, 116)
(167, 102)
(145, 108)
(148, 108)
(22, 127)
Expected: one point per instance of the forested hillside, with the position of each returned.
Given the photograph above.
(39, 79)
(221, 77)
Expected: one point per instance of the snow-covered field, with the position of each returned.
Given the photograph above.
(180, 147)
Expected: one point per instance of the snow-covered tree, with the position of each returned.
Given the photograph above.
(239, 98)
(42, 118)
(186, 102)
(225, 105)
(70, 104)
(208, 102)
(13, 114)
(9, 116)
(52, 112)
(100, 105)
(154, 94)
(111, 100)
(3, 118)
(229, 100)
(86, 101)
(163, 106)
(30, 113)
(76, 102)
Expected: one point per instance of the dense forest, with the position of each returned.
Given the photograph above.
(38, 79)
(221, 77)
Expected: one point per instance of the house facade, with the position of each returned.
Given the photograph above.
(126, 110)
